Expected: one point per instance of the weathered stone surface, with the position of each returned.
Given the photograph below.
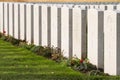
(36, 24)
(112, 42)
(5, 26)
(16, 26)
(79, 32)
(11, 21)
(22, 23)
(65, 30)
(1, 17)
(44, 25)
(95, 37)
(54, 26)
(28, 23)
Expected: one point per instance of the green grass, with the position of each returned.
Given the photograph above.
(21, 64)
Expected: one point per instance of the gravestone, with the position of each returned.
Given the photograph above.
(44, 25)
(36, 25)
(16, 23)
(95, 39)
(11, 19)
(66, 31)
(79, 32)
(112, 42)
(29, 23)
(54, 27)
(22, 21)
(59, 25)
(1, 17)
(5, 18)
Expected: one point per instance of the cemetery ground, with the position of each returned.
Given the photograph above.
(21, 64)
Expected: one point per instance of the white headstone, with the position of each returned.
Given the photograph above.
(22, 21)
(6, 18)
(44, 25)
(1, 17)
(11, 19)
(36, 24)
(54, 27)
(79, 32)
(28, 23)
(16, 21)
(112, 42)
(65, 31)
(95, 37)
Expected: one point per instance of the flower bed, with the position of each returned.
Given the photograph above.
(82, 65)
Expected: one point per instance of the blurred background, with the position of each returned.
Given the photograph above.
(61, 0)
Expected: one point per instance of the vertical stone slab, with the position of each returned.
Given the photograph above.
(5, 18)
(8, 18)
(44, 25)
(28, 23)
(112, 42)
(54, 27)
(65, 30)
(1, 17)
(36, 24)
(16, 27)
(79, 32)
(11, 19)
(22, 21)
(95, 37)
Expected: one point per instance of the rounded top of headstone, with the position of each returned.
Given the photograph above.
(70, 6)
(59, 5)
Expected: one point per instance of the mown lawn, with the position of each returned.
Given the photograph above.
(21, 64)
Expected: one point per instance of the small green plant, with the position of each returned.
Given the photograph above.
(15, 42)
(83, 65)
(97, 73)
(4, 38)
(37, 49)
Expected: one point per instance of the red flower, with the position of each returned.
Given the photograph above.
(81, 61)
(4, 31)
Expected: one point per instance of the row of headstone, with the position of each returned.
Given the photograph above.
(103, 40)
(76, 30)
(56, 26)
